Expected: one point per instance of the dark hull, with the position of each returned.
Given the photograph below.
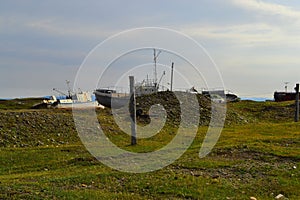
(284, 96)
(232, 98)
(111, 102)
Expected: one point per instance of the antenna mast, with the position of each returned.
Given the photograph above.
(155, 71)
(69, 88)
(286, 86)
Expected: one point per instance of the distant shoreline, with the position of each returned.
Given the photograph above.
(259, 99)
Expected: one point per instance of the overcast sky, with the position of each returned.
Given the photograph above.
(255, 43)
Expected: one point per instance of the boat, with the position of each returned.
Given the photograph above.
(221, 96)
(231, 97)
(112, 98)
(284, 96)
(79, 99)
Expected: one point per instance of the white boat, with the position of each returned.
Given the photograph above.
(77, 100)
(71, 100)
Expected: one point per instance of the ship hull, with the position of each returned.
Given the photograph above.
(284, 96)
(111, 100)
(79, 105)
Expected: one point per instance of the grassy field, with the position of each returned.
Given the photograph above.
(257, 155)
(16, 104)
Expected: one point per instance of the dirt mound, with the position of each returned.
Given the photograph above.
(172, 106)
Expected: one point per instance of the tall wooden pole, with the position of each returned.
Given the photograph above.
(297, 103)
(132, 110)
(172, 71)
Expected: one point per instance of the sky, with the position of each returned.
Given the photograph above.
(254, 43)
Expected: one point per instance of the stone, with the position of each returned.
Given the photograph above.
(279, 196)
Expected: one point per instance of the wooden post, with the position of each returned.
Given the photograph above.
(172, 71)
(132, 110)
(297, 103)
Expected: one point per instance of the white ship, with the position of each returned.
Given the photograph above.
(71, 100)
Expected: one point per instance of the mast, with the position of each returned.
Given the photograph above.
(155, 71)
(286, 86)
(69, 88)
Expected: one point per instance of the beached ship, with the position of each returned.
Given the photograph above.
(72, 99)
(112, 98)
(284, 96)
(77, 100)
(221, 95)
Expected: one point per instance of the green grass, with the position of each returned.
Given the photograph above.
(16, 104)
(259, 158)
(264, 111)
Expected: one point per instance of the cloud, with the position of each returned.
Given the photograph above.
(268, 8)
(54, 26)
(68, 29)
(252, 34)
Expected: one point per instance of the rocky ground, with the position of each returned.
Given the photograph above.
(25, 128)
(32, 127)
